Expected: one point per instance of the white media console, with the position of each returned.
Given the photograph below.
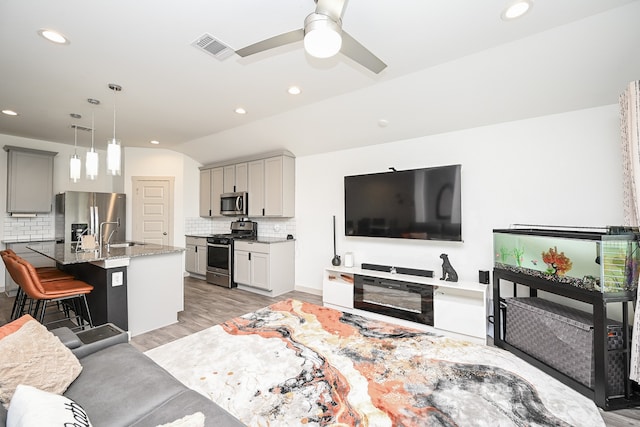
(459, 308)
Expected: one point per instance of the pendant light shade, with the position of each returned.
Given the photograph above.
(75, 165)
(91, 164)
(114, 153)
(113, 157)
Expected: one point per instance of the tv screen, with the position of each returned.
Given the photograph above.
(410, 204)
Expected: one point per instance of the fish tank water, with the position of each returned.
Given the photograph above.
(598, 259)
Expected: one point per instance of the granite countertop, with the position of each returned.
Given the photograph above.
(64, 253)
(256, 240)
(26, 239)
(272, 240)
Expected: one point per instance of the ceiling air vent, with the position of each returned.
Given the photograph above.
(210, 45)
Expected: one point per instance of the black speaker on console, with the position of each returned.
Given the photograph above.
(483, 276)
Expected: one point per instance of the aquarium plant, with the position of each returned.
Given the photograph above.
(557, 263)
(518, 253)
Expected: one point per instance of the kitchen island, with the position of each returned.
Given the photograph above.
(138, 287)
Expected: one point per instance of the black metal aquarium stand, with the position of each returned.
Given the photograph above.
(599, 302)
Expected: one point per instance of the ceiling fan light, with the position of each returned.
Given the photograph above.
(322, 36)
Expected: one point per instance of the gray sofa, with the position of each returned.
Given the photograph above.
(120, 386)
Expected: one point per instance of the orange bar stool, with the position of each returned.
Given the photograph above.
(70, 292)
(46, 274)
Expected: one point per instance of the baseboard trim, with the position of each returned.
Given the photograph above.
(312, 291)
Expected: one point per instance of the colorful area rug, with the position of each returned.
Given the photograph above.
(294, 364)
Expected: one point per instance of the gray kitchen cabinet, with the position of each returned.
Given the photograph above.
(205, 192)
(255, 188)
(211, 186)
(235, 178)
(29, 180)
(279, 186)
(196, 255)
(264, 268)
(269, 180)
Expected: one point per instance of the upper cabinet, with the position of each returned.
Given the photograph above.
(279, 186)
(211, 186)
(269, 181)
(29, 180)
(235, 178)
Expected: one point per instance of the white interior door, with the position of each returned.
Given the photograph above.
(153, 210)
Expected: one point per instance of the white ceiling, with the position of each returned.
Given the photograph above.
(452, 64)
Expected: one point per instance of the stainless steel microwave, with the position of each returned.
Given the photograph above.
(234, 204)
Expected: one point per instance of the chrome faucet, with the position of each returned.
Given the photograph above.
(100, 242)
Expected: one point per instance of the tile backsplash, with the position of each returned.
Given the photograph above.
(29, 228)
(267, 227)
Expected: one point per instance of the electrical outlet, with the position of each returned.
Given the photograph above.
(117, 279)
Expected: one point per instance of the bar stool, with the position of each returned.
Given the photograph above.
(46, 274)
(72, 292)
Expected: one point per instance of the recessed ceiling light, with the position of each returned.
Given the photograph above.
(154, 142)
(53, 36)
(9, 112)
(516, 9)
(241, 110)
(294, 90)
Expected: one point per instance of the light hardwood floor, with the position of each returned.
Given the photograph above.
(207, 305)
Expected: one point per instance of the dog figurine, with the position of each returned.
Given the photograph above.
(448, 272)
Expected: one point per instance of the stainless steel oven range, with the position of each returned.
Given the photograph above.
(220, 252)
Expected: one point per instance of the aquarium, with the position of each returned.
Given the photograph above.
(600, 260)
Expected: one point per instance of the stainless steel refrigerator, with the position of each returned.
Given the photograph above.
(79, 213)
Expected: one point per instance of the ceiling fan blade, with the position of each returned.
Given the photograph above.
(331, 8)
(360, 54)
(273, 42)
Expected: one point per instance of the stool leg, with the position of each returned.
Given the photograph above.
(86, 309)
(16, 304)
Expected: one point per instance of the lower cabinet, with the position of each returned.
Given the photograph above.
(265, 268)
(458, 307)
(196, 255)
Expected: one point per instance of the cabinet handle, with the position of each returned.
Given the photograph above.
(262, 211)
(249, 256)
(209, 212)
(196, 249)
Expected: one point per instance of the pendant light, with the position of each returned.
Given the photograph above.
(113, 146)
(75, 164)
(92, 161)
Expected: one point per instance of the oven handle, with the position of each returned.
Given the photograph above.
(216, 245)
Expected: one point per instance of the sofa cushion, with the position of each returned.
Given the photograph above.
(33, 356)
(186, 403)
(119, 385)
(193, 420)
(31, 407)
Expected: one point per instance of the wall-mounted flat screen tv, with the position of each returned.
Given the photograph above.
(410, 204)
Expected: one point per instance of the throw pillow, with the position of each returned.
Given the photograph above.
(193, 420)
(31, 407)
(34, 356)
(10, 328)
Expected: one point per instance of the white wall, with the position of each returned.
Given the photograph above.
(159, 162)
(559, 170)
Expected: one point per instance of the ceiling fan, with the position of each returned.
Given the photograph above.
(323, 37)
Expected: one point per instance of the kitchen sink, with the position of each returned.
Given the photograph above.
(125, 244)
